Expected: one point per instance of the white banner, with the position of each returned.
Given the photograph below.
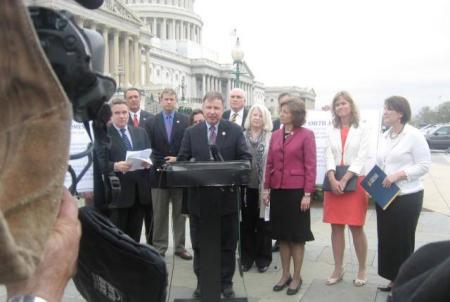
(79, 141)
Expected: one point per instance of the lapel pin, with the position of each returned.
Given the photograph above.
(224, 133)
(178, 121)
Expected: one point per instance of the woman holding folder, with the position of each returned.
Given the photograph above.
(348, 144)
(404, 156)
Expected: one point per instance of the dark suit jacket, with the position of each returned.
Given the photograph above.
(161, 147)
(230, 143)
(226, 116)
(145, 115)
(276, 124)
(135, 184)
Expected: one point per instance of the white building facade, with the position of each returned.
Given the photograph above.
(154, 44)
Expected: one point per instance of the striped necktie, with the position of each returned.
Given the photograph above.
(125, 139)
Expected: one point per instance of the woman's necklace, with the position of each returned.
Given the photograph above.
(394, 135)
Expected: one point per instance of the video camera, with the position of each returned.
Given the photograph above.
(76, 56)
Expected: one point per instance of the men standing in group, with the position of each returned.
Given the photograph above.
(166, 130)
(138, 117)
(230, 143)
(237, 113)
(129, 205)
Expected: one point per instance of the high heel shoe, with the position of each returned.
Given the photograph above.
(333, 281)
(278, 288)
(293, 291)
(359, 282)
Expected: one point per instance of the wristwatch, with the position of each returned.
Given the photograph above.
(26, 298)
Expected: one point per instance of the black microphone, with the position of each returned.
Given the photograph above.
(216, 153)
(91, 4)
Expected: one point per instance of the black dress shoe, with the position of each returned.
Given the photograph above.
(276, 246)
(293, 291)
(228, 292)
(196, 293)
(246, 267)
(385, 288)
(263, 269)
(278, 288)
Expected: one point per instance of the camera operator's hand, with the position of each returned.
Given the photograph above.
(122, 166)
(59, 258)
(170, 159)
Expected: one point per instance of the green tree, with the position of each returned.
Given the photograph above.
(443, 113)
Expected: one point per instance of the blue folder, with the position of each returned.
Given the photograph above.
(372, 184)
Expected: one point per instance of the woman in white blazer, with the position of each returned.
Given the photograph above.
(348, 144)
(404, 156)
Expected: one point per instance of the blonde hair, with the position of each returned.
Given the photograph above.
(354, 110)
(266, 117)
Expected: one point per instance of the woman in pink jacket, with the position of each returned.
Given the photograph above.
(289, 181)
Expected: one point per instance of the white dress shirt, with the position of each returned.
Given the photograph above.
(239, 117)
(127, 133)
(408, 152)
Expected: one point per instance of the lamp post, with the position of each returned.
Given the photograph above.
(238, 55)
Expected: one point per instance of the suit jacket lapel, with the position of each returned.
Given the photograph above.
(115, 135)
(162, 125)
(222, 132)
(133, 138)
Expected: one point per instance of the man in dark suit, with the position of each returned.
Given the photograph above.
(276, 123)
(138, 117)
(128, 207)
(166, 131)
(238, 113)
(230, 142)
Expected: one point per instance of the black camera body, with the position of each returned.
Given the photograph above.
(76, 56)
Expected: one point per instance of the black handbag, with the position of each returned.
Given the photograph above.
(113, 267)
(340, 172)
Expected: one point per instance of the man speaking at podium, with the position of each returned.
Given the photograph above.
(215, 138)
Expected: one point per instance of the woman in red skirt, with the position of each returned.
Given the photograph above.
(348, 144)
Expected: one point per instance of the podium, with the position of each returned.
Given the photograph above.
(210, 179)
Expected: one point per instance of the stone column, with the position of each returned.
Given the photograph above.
(155, 28)
(199, 35)
(116, 59)
(163, 29)
(193, 86)
(147, 67)
(106, 57)
(137, 63)
(203, 85)
(126, 61)
(173, 30)
(188, 31)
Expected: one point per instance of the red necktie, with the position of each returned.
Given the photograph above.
(135, 121)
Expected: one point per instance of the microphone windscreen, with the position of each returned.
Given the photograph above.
(91, 4)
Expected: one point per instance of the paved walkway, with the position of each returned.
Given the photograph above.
(434, 225)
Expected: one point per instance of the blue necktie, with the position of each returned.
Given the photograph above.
(168, 127)
(125, 139)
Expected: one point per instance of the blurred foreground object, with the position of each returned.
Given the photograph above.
(34, 142)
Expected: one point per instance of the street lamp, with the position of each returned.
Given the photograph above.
(238, 55)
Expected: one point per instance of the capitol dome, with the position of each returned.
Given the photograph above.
(169, 19)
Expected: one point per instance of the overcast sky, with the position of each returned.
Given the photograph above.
(373, 49)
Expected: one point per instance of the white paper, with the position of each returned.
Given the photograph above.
(267, 213)
(136, 158)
